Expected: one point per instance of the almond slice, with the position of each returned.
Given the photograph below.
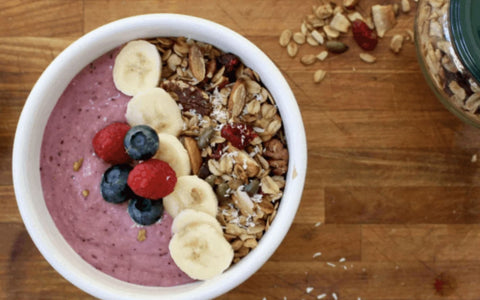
(193, 154)
(196, 62)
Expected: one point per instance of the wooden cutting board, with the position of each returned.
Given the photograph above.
(390, 208)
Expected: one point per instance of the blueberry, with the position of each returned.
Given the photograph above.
(114, 186)
(144, 211)
(141, 142)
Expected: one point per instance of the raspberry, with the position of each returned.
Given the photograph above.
(365, 37)
(152, 179)
(108, 143)
(238, 134)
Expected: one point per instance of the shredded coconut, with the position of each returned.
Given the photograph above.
(331, 265)
(257, 198)
(309, 289)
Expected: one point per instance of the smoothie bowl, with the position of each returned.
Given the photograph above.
(159, 156)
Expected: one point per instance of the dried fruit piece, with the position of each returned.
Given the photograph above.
(384, 18)
(319, 75)
(230, 61)
(285, 37)
(368, 58)
(336, 46)
(396, 43)
(189, 96)
(365, 37)
(239, 135)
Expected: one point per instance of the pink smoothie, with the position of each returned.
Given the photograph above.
(101, 233)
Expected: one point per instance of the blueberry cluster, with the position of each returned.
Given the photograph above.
(141, 143)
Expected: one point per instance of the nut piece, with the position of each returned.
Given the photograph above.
(193, 154)
(319, 75)
(324, 11)
(384, 18)
(331, 33)
(299, 38)
(292, 49)
(85, 193)
(285, 37)
(355, 16)
(322, 55)
(340, 23)
(142, 235)
(396, 43)
(405, 6)
(308, 59)
(236, 101)
(77, 165)
(243, 202)
(318, 37)
(196, 62)
(350, 4)
(368, 58)
(311, 41)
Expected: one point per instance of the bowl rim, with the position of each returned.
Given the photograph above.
(25, 157)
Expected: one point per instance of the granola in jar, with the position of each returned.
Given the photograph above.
(445, 52)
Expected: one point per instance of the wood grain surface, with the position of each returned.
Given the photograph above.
(390, 170)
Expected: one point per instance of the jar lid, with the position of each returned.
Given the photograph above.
(465, 28)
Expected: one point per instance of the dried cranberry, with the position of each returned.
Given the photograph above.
(365, 37)
(218, 150)
(229, 60)
(238, 134)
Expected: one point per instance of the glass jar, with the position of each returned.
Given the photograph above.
(447, 38)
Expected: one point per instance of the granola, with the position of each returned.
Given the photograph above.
(232, 132)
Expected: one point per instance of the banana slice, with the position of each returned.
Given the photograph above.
(156, 108)
(137, 67)
(191, 192)
(188, 217)
(172, 151)
(200, 251)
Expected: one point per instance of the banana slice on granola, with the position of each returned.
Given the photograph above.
(201, 251)
(137, 67)
(156, 108)
(190, 216)
(174, 153)
(191, 192)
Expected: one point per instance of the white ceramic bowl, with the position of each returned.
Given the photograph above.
(42, 99)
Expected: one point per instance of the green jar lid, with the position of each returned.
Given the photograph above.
(465, 29)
